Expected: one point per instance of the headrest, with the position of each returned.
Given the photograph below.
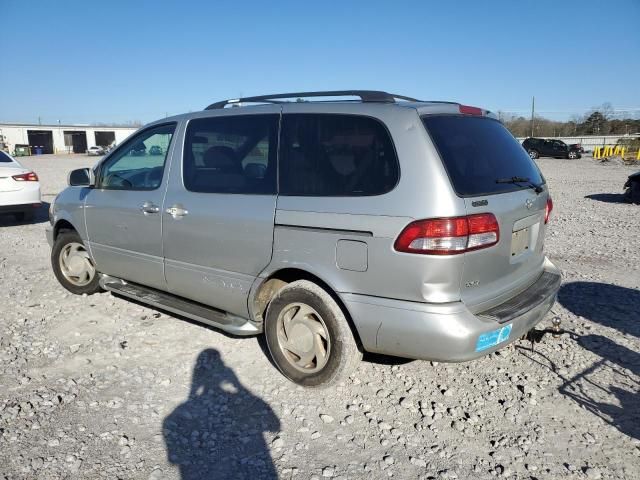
(219, 157)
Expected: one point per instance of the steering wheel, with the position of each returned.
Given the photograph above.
(115, 180)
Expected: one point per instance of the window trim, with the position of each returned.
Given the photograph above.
(99, 169)
(277, 152)
(375, 119)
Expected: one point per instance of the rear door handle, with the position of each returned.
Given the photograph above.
(177, 211)
(148, 207)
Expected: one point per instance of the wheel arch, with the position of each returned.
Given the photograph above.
(61, 226)
(264, 291)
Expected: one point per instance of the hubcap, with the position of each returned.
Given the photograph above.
(303, 337)
(532, 155)
(76, 265)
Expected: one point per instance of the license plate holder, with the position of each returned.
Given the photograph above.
(520, 241)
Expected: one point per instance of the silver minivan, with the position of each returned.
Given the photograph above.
(364, 222)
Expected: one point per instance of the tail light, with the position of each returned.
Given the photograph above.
(26, 177)
(449, 236)
(547, 210)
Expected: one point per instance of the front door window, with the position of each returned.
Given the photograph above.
(138, 164)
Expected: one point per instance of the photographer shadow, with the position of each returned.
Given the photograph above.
(609, 388)
(217, 433)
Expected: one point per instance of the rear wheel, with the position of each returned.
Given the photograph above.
(309, 337)
(533, 154)
(573, 155)
(73, 266)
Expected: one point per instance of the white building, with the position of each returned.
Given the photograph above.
(60, 138)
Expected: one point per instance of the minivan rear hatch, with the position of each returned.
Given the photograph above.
(491, 171)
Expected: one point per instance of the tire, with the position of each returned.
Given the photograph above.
(323, 328)
(73, 266)
(534, 154)
(632, 193)
(572, 155)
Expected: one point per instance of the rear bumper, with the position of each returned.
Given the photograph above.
(20, 207)
(449, 332)
(26, 198)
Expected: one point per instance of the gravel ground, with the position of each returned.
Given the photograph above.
(99, 387)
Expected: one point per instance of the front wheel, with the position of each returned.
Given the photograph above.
(73, 266)
(309, 337)
(573, 155)
(533, 154)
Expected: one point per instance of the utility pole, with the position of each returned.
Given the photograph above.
(533, 110)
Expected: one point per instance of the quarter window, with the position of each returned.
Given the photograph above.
(336, 155)
(139, 163)
(231, 154)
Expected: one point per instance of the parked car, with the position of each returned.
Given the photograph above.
(576, 146)
(632, 189)
(386, 225)
(19, 189)
(155, 150)
(138, 150)
(540, 147)
(95, 150)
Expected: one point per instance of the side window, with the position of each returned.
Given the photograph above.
(231, 154)
(336, 155)
(139, 163)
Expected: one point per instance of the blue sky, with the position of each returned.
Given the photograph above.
(118, 61)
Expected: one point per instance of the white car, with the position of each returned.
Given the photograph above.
(19, 189)
(95, 151)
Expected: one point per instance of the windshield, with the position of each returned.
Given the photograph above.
(479, 151)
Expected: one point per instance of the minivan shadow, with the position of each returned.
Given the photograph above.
(608, 388)
(603, 303)
(607, 197)
(40, 215)
(377, 358)
(218, 431)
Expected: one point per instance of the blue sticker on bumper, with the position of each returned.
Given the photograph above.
(491, 339)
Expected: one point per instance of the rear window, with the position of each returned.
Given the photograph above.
(477, 151)
(4, 158)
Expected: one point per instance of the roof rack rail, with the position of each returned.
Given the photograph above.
(365, 96)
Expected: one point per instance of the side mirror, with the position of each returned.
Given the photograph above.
(81, 177)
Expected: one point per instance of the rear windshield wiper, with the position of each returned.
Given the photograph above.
(517, 180)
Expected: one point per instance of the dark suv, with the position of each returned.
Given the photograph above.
(539, 147)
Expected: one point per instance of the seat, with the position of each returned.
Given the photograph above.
(221, 172)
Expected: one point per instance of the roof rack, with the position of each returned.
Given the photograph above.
(365, 96)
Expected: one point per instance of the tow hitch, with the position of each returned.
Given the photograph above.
(535, 335)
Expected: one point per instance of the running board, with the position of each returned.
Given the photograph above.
(181, 306)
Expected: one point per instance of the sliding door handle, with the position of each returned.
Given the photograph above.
(177, 211)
